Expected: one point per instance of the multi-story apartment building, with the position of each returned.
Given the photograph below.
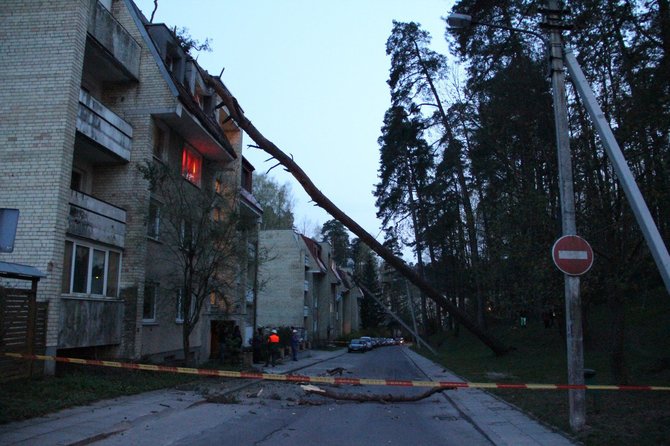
(92, 91)
(301, 287)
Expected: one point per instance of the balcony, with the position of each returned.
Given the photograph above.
(96, 220)
(108, 138)
(89, 322)
(111, 52)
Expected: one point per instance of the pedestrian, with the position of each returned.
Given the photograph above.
(295, 340)
(234, 346)
(273, 348)
(256, 345)
(222, 344)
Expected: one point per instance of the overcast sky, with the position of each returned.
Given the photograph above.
(311, 75)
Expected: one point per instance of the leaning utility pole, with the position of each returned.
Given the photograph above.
(573, 311)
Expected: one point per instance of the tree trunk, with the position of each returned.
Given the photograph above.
(617, 357)
(321, 200)
(465, 197)
(419, 254)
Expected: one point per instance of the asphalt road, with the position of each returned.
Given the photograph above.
(282, 414)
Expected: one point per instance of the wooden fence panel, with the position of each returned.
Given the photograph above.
(15, 332)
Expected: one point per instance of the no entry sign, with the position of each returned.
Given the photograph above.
(572, 255)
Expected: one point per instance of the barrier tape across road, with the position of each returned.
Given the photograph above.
(328, 379)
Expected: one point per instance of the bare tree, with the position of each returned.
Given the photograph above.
(200, 231)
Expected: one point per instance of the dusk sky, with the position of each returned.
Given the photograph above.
(311, 75)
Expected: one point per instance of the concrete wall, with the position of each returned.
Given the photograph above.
(282, 296)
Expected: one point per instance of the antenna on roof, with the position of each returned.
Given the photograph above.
(222, 69)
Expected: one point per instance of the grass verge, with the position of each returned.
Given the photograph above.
(612, 417)
(78, 385)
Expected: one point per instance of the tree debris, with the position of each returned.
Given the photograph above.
(364, 398)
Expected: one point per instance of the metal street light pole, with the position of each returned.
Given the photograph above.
(573, 314)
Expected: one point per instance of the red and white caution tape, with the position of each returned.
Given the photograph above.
(329, 379)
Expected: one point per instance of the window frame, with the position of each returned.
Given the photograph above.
(160, 142)
(70, 265)
(179, 316)
(154, 286)
(154, 220)
(189, 158)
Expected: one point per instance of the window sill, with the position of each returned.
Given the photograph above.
(90, 297)
(149, 323)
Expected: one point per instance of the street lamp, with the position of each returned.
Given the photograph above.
(458, 21)
(573, 315)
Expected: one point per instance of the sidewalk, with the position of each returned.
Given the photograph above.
(499, 421)
(86, 424)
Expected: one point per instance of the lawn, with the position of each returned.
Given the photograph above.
(77, 385)
(613, 417)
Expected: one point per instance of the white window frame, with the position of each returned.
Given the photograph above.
(163, 132)
(89, 273)
(154, 224)
(179, 317)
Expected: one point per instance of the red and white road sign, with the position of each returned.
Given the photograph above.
(572, 255)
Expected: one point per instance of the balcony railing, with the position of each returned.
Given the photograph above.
(96, 220)
(113, 50)
(89, 322)
(104, 127)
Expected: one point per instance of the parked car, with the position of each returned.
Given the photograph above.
(357, 345)
(368, 341)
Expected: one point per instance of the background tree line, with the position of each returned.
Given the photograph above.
(468, 167)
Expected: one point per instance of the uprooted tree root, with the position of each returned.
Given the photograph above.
(363, 398)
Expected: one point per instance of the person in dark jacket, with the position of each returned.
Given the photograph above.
(257, 345)
(295, 340)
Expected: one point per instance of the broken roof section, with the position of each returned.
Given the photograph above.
(315, 251)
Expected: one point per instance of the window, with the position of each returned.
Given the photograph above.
(218, 186)
(154, 220)
(186, 235)
(160, 142)
(191, 165)
(90, 270)
(180, 307)
(150, 298)
(77, 180)
(217, 214)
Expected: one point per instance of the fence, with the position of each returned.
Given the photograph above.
(23, 323)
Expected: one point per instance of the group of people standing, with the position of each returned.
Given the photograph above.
(265, 346)
(271, 344)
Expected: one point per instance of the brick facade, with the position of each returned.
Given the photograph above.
(51, 58)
